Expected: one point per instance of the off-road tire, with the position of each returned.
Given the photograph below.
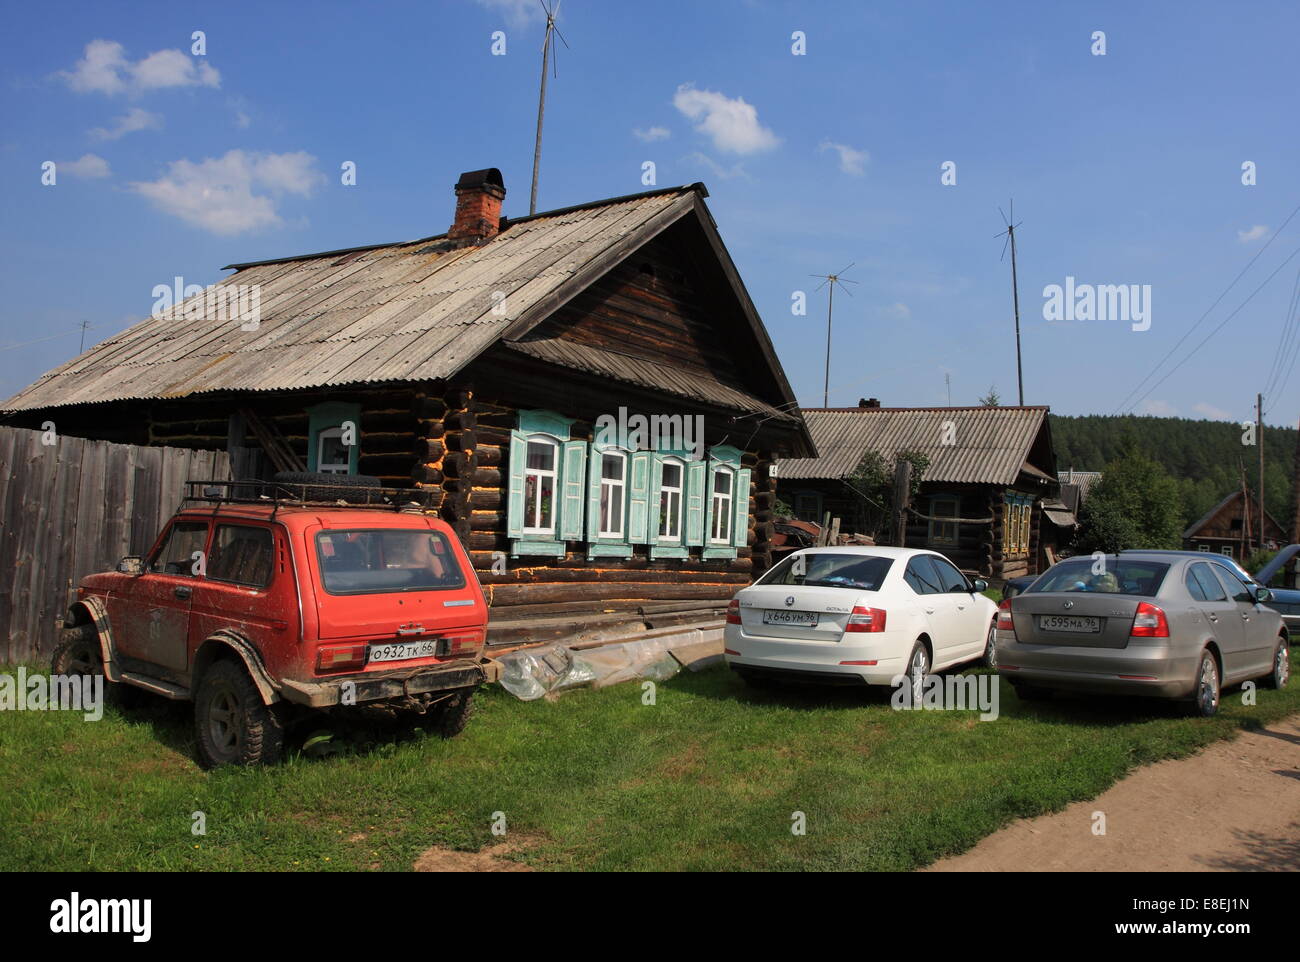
(79, 653)
(449, 717)
(252, 733)
(331, 487)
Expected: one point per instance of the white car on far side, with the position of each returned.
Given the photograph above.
(859, 615)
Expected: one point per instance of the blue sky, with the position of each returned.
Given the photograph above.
(1125, 168)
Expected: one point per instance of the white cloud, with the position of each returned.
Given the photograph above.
(852, 160)
(104, 68)
(898, 311)
(218, 194)
(89, 165)
(1254, 234)
(732, 124)
(651, 134)
(1160, 409)
(1211, 412)
(242, 120)
(133, 120)
(518, 13)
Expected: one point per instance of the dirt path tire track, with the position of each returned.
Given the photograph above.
(1233, 807)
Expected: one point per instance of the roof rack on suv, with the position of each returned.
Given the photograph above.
(280, 494)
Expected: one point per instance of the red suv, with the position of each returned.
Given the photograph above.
(260, 608)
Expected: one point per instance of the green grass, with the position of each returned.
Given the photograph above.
(707, 778)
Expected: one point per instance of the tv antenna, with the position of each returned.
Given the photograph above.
(1010, 233)
(830, 280)
(548, 44)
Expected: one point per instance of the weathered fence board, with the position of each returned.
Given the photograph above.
(72, 508)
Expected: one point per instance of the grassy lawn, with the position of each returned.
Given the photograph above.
(707, 778)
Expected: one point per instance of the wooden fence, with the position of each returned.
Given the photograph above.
(74, 507)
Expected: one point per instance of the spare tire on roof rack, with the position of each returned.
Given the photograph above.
(323, 486)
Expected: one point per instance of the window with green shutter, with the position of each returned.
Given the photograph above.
(546, 490)
(726, 509)
(608, 492)
(334, 437)
(669, 479)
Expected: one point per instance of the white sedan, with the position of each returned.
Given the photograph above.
(860, 616)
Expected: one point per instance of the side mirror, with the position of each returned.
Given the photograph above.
(979, 585)
(131, 565)
(1263, 596)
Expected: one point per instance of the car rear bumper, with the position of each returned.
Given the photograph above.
(376, 686)
(1139, 669)
(820, 662)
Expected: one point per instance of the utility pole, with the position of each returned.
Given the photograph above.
(1015, 296)
(832, 280)
(947, 383)
(547, 42)
(82, 346)
(1259, 439)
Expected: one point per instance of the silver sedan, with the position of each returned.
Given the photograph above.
(1141, 623)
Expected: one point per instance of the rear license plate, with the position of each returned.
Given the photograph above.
(403, 650)
(807, 619)
(1079, 624)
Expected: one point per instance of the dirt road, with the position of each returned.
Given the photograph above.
(1233, 807)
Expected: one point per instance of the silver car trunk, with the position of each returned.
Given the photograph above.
(831, 606)
(1069, 617)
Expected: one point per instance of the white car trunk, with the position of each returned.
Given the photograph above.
(769, 612)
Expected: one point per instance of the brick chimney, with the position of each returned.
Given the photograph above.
(478, 207)
(868, 402)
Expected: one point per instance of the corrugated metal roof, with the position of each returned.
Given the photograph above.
(410, 311)
(635, 370)
(990, 444)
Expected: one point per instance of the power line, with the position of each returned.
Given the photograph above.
(1193, 351)
(1173, 350)
(42, 340)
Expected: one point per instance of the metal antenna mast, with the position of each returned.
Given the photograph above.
(831, 280)
(1010, 234)
(548, 43)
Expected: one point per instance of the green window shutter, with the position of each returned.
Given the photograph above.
(515, 497)
(638, 510)
(573, 484)
(594, 464)
(697, 476)
(740, 530)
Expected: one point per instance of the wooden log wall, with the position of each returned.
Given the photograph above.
(476, 432)
(74, 508)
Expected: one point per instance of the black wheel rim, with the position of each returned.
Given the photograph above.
(83, 660)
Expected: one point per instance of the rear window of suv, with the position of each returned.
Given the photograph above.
(357, 562)
(827, 570)
(1123, 577)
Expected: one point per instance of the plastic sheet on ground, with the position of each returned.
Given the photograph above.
(545, 672)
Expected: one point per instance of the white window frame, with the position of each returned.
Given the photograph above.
(331, 467)
(1203, 547)
(675, 531)
(534, 510)
(616, 492)
(727, 516)
(1226, 550)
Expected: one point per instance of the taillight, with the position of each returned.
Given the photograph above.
(1150, 622)
(340, 657)
(733, 612)
(465, 642)
(1004, 617)
(866, 619)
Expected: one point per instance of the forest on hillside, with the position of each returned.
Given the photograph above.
(1205, 457)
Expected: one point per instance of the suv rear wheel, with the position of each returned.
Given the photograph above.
(231, 724)
(449, 717)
